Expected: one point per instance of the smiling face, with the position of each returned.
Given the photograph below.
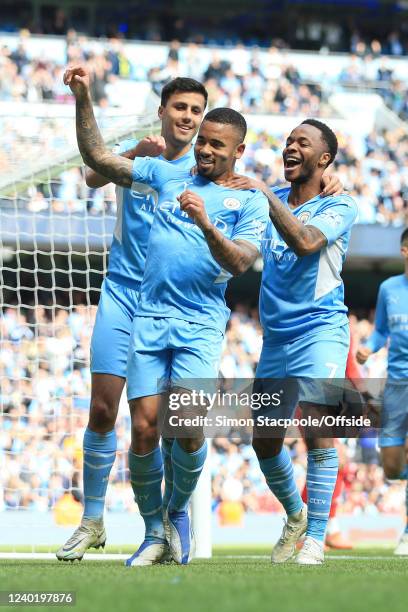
(181, 117)
(217, 148)
(305, 154)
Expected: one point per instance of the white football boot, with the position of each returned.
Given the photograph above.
(312, 552)
(402, 548)
(294, 528)
(90, 534)
(182, 541)
(150, 552)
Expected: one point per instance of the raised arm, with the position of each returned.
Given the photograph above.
(235, 256)
(151, 146)
(94, 179)
(95, 154)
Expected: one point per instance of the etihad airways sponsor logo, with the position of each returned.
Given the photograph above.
(277, 250)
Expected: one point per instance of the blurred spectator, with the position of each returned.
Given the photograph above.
(250, 82)
(378, 180)
(394, 45)
(44, 411)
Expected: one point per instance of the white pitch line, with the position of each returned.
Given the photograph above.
(242, 556)
(366, 557)
(123, 557)
(331, 557)
(45, 556)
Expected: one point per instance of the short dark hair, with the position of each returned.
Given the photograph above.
(328, 136)
(228, 116)
(404, 237)
(182, 85)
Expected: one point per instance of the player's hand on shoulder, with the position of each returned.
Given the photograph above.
(240, 182)
(77, 78)
(331, 185)
(194, 206)
(363, 353)
(150, 146)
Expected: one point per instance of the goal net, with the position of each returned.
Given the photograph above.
(55, 235)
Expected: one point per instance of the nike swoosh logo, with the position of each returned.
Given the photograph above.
(74, 546)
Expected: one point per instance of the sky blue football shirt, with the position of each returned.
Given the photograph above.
(391, 321)
(182, 279)
(300, 295)
(135, 212)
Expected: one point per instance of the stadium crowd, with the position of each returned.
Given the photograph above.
(378, 179)
(251, 79)
(45, 388)
(376, 174)
(300, 28)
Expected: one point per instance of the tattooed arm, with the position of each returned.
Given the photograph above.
(303, 239)
(95, 154)
(151, 146)
(235, 256)
(95, 180)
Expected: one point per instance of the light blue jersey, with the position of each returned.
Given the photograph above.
(391, 321)
(120, 290)
(304, 295)
(135, 211)
(182, 279)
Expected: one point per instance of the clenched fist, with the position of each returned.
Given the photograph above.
(77, 78)
(151, 146)
(194, 206)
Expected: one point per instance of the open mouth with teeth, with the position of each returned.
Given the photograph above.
(205, 162)
(292, 162)
(185, 128)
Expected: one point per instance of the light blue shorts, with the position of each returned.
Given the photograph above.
(166, 352)
(306, 369)
(112, 330)
(394, 414)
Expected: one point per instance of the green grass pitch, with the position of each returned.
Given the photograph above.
(234, 580)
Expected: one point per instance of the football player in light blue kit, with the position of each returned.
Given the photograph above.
(305, 328)
(202, 234)
(391, 322)
(183, 101)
